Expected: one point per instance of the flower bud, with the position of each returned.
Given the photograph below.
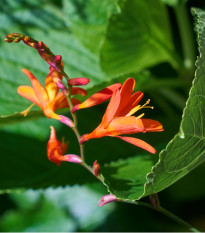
(107, 199)
(78, 81)
(73, 158)
(66, 121)
(96, 168)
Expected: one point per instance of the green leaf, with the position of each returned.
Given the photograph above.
(88, 20)
(42, 217)
(186, 150)
(137, 37)
(128, 179)
(57, 209)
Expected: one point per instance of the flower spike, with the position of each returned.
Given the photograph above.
(56, 150)
(43, 50)
(119, 120)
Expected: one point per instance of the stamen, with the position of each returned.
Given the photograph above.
(138, 107)
(140, 116)
(25, 112)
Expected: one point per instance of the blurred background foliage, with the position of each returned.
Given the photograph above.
(89, 35)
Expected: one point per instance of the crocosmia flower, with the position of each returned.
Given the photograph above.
(119, 120)
(48, 98)
(57, 149)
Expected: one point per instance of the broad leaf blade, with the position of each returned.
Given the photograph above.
(137, 37)
(88, 20)
(186, 150)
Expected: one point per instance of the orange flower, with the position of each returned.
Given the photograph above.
(56, 150)
(48, 98)
(118, 119)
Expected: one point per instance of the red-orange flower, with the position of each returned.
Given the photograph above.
(56, 150)
(48, 98)
(118, 119)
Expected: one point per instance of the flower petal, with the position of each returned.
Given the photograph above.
(126, 93)
(111, 109)
(78, 91)
(40, 92)
(152, 125)
(98, 97)
(50, 85)
(124, 125)
(28, 93)
(139, 143)
(133, 102)
(60, 102)
(54, 149)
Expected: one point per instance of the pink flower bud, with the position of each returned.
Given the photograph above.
(78, 81)
(66, 121)
(107, 199)
(73, 158)
(96, 168)
(60, 85)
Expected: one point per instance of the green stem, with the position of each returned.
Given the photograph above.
(164, 212)
(187, 39)
(75, 129)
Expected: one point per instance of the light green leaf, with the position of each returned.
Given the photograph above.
(57, 209)
(88, 20)
(128, 180)
(137, 37)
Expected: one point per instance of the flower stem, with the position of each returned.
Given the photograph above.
(74, 128)
(164, 212)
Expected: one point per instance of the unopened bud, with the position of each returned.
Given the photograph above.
(107, 199)
(78, 81)
(60, 85)
(27, 38)
(73, 158)
(40, 44)
(16, 40)
(66, 121)
(96, 168)
(8, 40)
(58, 58)
(154, 200)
